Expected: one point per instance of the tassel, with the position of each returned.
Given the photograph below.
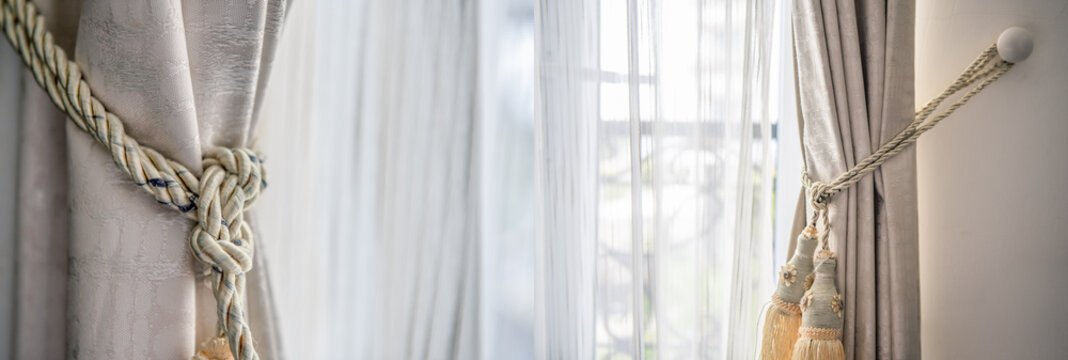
(821, 319)
(214, 349)
(780, 330)
(822, 345)
(783, 317)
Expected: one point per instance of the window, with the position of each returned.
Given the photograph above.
(709, 145)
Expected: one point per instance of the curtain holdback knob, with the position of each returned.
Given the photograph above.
(1015, 44)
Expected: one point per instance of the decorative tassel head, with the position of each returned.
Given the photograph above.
(821, 320)
(791, 278)
(783, 317)
(822, 304)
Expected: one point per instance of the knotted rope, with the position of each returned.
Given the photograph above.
(231, 182)
(983, 70)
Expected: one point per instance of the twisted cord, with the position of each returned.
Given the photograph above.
(984, 70)
(231, 181)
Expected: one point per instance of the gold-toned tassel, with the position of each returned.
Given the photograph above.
(214, 349)
(822, 344)
(820, 335)
(783, 317)
(780, 330)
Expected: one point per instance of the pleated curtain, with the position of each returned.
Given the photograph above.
(855, 86)
(100, 270)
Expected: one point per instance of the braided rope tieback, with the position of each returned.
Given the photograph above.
(231, 182)
(223, 239)
(983, 71)
(821, 307)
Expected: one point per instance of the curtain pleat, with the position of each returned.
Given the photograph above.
(382, 184)
(565, 177)
(37, 306)
(41, 236)
(10, 78)
(855, 75)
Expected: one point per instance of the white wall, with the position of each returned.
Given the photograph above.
(993, 187)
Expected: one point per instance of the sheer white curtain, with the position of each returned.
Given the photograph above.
(445, 202)
(378, 187)
(398, 139)
(506, 189)
(656, 141)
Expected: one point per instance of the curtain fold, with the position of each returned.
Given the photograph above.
(121, 283)
(565, 177)
(425, 223)
(38, 249)
(425, 217)
(855, 78)
(382, 181)
(10, 78)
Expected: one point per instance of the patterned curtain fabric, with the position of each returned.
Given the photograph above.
(655, 158)
(120, 281)
(855, 80)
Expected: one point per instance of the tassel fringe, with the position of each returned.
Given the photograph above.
(780, 330)
(819, 344)
(215, 349)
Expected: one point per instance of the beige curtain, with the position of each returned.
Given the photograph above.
(100, 266)
(855, 79)
(33, 246)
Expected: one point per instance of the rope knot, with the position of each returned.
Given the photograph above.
(240, 163)
(232, 180)
(817, 193)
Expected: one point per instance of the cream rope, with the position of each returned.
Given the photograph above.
(231, 181)
(819, 194)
